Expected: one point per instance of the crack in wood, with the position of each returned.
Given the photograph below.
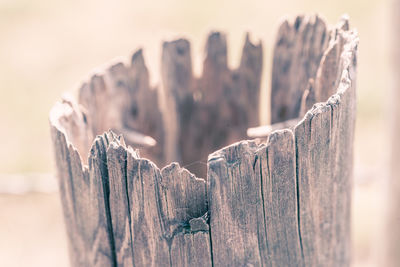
(281, 200)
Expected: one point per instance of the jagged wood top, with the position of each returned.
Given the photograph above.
(182, 115)
(291, 196)
(260, 192)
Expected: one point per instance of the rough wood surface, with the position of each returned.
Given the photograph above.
(119, 201)
(121, 210)
(85, 195)
(186, 117)
(287, 202)
(283, 200)
(210, 112)
(298, 50)
(236, 218)
(122, 100)
(163, 206)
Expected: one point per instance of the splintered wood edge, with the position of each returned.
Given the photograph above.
(68, 107)
(351, 42)
(238, 163)
(78, 133)
(347, 77)
(118, 140)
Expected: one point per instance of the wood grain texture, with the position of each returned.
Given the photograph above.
(329, 71)
(277, 172)
(75, 242)
(214, 110)
(186, 117)
(122, 99)
(237, 218)
(119, 201)
(283, 200)
(163, 203)
(84, 193)
(121, 210)
(253, 203)
(324, 162)
(101, 249)
(297, 54)
(301, 217)
(308, 99)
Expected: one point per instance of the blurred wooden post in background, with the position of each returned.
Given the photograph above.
(392, 227)
(282, 199)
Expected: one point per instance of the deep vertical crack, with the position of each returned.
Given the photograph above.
(263, 208)
(298, 200)
(208, 221)
(106, 193)
(128, 205)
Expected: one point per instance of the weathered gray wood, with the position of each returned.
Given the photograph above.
(329, 72)
(214, 110)
(305, 174)
(215, 66)
(282, 200)
(122, 210)
(91, 95)
(237, 218)
(176, 97)
(100, 240)
(324, 161)
(234, 106)
(277, 170)
(186, 118)
(297, 54)
(84, 192)
(248, 84)
(73, 122)
(163, 203)
(253, 203)
(308, 99)
(75, 242)
(317, 193)
(121, 99)
(119, 202)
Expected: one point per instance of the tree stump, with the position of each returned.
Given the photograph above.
(280, 199)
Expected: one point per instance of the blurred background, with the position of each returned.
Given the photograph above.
(50, 47)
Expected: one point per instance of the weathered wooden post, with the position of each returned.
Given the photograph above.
(282, 199)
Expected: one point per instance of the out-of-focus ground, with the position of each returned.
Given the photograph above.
(49, 47)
